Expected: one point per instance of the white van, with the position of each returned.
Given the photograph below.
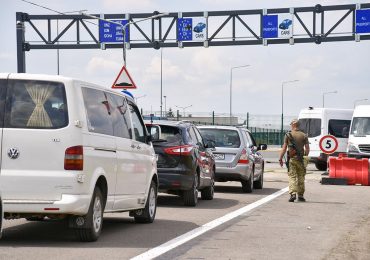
(71, 149)
(318, 122)
(1, 216)
(359, 136)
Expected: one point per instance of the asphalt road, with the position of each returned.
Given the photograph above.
(334, 223)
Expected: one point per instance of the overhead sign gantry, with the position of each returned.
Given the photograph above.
(192, 29)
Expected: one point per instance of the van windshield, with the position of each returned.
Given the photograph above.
(360, 126)
(310, 126)
(36, 104)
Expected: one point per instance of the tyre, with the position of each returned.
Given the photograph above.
(208, 192)
(247, 185)
(259, 183)
(148, 213)
(191, 196)
(94, 219)
(321, 166)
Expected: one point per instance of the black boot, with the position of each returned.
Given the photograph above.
(292, 197)
(301, 198)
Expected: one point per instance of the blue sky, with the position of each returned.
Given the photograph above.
(201, 76)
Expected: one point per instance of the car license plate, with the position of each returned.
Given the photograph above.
(219, 156)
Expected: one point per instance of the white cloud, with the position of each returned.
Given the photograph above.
(102, 65)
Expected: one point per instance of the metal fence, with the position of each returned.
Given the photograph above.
(266, 129)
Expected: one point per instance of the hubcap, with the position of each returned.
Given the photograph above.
(97, 215)
(152, 203)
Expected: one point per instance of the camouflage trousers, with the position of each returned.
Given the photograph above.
(296, 174)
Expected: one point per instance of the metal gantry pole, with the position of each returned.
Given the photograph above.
(21, 54)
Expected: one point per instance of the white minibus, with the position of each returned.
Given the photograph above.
(359, 136)
(73, 150)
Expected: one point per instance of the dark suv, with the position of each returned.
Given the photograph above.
(185, 163)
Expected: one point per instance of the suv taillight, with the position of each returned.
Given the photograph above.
(179, 150)
(243, 157)
(73, 159)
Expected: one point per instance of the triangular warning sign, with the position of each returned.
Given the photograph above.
(123, 80)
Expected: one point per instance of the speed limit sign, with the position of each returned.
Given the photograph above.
(328, 144)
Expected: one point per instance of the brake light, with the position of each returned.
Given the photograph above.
(73, 159)
(243, 157)
(179, 150)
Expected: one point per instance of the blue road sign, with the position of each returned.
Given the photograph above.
(363, 21)
(110, 32)
(184, 29)
(270, 26)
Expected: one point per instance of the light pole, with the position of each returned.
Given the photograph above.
(165, 106)
(231, 86)
(325, 93)
(282, 107)
(358, 100)
(161, 82)
(183, 109)
(123, 27)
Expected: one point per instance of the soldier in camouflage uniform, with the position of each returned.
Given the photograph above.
(297, 144)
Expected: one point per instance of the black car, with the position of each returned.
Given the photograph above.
(185, 163)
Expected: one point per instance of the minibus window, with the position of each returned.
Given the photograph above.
(121, 117)
(310, 126)
(98, 111)
(137, 124)
(360, 126)
(339, 128)
(2, 100)
(36, 104)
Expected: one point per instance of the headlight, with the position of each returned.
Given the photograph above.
(352, 148)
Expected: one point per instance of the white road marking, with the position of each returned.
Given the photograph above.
(164, 248)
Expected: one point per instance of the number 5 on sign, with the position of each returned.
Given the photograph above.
(328, 144)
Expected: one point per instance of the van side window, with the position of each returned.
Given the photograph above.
(339, 128)
(98, 111)
(137, 124)
(121, 117)
(36, 104)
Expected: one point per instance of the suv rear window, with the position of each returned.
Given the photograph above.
(169, 134)
(221, 137)
(36, 105)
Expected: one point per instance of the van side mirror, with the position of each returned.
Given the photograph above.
(155, 132)
(262, 147)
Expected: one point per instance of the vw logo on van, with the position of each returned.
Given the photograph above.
(13, 153)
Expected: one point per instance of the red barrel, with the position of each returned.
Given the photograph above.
(356, 171)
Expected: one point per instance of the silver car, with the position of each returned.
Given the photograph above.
(237, 155)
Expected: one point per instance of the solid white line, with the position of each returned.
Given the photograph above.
(164, 248)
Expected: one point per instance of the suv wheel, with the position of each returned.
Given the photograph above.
(148, 213)
(208, 192)
(321, 166)
(94, 219)
(247, 185)
(259, 183)
(191, 196)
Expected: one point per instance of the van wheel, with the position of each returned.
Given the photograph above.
(259, 184)
(321, 166)
(191, 196)
(247, 185)
(148, 213)
(94, 219)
